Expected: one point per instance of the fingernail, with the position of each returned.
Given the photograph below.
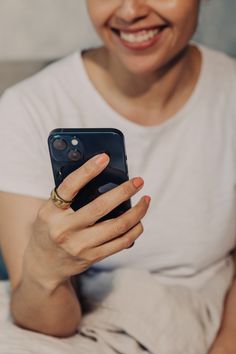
(101, 159)
(147, 199)
(138, 182)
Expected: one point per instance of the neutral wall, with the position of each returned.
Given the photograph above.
(44, 29)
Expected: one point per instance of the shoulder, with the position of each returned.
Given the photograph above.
(217, 58)
(45, 94)
(48, 84)
(219, 66)
(218, 79)
(59, 72)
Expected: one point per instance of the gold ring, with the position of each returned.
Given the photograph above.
(58, 201)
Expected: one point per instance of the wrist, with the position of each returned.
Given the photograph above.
(36, 270)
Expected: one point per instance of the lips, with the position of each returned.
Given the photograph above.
(139, 38)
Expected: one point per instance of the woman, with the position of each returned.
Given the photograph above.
(174, 102)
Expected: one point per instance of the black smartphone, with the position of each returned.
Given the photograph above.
(70, 148)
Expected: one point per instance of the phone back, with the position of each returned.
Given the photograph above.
(71, 148)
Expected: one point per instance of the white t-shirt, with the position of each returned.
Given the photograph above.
(188, 162)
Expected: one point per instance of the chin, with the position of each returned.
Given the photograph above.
(142, 66)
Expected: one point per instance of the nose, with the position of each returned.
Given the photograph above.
(131, 11)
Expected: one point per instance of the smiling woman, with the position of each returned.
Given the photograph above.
(174, 101)
(159, 32)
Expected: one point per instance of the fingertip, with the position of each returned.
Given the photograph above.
(101, 159)
(147, 199)
(138, 182)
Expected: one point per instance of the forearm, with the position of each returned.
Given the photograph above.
(225, 342)
(55, 313)
(40, 305)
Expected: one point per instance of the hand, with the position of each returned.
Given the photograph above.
(65, 242)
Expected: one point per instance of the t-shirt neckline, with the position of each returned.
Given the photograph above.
(182, 113)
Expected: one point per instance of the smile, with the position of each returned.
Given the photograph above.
(138, 37)
(141, 38)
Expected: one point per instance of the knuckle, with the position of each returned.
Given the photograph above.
(140, 228)
(81, 247)
(98, 208)
(121, 227)
(74, 252)
(127, 189)
(83, 262)
(93, 257)
(79, 250)
(59, 236)
(127, 242)
(96, 257)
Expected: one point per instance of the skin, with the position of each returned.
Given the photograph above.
(180, 16)
(153, 83)
(46, 246)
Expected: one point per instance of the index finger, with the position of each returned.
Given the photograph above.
(76, 180)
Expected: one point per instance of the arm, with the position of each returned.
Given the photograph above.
(225, 342)
(59, 313)
(45, 246)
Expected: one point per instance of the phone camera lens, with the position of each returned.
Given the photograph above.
(59, 144)
(74, 155)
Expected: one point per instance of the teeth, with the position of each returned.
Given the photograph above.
(139, 37)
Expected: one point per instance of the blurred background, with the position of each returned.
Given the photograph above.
(35, 32)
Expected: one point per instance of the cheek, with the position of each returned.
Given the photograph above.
(184, 19)
(188, 20)
(187, 11)
(100, 12)
(179, 13)
(93, 13)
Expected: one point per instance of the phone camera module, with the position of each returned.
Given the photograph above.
(74, 155)
(59, 144)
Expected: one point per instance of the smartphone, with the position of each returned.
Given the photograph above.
(70, 148)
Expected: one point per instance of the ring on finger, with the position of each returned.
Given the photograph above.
(58, 201)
